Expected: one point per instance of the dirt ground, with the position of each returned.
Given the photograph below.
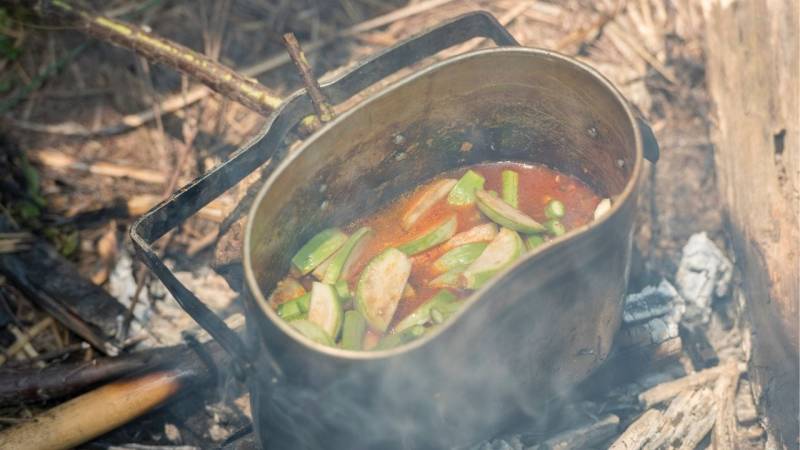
(60, 121)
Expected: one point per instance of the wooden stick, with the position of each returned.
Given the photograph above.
(584, 437)
(100, 411)
(670, 389)
(179, 101)
(638, 432)
(724, 436)
(321, 104)
(59, 160)
(24, 339)
(221, 79)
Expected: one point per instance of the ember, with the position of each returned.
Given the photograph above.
(663, 324)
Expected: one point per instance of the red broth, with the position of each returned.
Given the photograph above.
(538, 185)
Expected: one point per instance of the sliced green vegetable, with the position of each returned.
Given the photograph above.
(501, 253)
(353, 330)
(437, 191)
(451, 279)
(555, 227)
(319, 271)
(459, 257)
(345, 255)
(312, 331)
(398, 339)
(463, 193)
(437, 316)
(380, 287)
(511, 187)
(554, 209)
(479, 233)
(318, 249)
(422, 314)
(325, 309)
(534, 241)
(298, 306)
(343, 290)
(504, 214)
(290, 311)
(431, 238)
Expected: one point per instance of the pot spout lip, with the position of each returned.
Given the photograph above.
(250, 277)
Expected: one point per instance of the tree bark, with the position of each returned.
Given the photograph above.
(752, 72)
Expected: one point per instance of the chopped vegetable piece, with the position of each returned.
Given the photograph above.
(344, 256)
(342, 290)
(353, 330)
(555, 227)
(431, 238)
(459, 257)
(603, 207)
(408, 292)
(437, 316)
(500, 253)
(312, 331)
(318, 249)
(398, 339)
(422, 314)
(319, 271)
(290, 311)
(451, 279)
(511, 187)
(463, 193)
(286, 289)
(437, 191)
(503, 214)
(325, 309)
(380, 287)
(478, 233)
(534, 241)
(554, 209)
(300, 304)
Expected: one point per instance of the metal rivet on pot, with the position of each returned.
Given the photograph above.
(323, 188)
(399, 139)
(620, 163)
(592, 132)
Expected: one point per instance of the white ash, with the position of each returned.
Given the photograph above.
(704, 274)
(652, 332)
(652, 302)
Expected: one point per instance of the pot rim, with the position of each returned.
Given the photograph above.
(252, 283)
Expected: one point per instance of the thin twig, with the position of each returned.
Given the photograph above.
(321, 105)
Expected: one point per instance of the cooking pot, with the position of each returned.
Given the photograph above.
(526, 337)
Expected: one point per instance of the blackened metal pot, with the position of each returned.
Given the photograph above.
(530, 334)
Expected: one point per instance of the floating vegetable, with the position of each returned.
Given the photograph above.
(463, 193)
(499, 254)
(534, 241)
(353, 330)
(346, 255)
(324, 309)
(602, 208)
(422, 314)
(381, 286)
(504, 214)
(286, 289)
(555, 227)
(431, 238)
(426, 201)
(312, 331)
(295, 309)
(479, 233)
(318, 249)
(459, 257)
(397, 339)
(510, 187)
(554, 209)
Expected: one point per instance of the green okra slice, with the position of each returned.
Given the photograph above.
(324, 309)
(318, 249)
(459, 257)
(422, 314)
(353, 330)
(380, 287)
(511, 188)
(463, 193)
(431, 238)
(501, 253)
(505, 215)
(397, 339)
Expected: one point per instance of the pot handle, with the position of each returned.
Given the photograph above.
(268, 146)
(649, 142)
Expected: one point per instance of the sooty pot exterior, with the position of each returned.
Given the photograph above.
(532, 333)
